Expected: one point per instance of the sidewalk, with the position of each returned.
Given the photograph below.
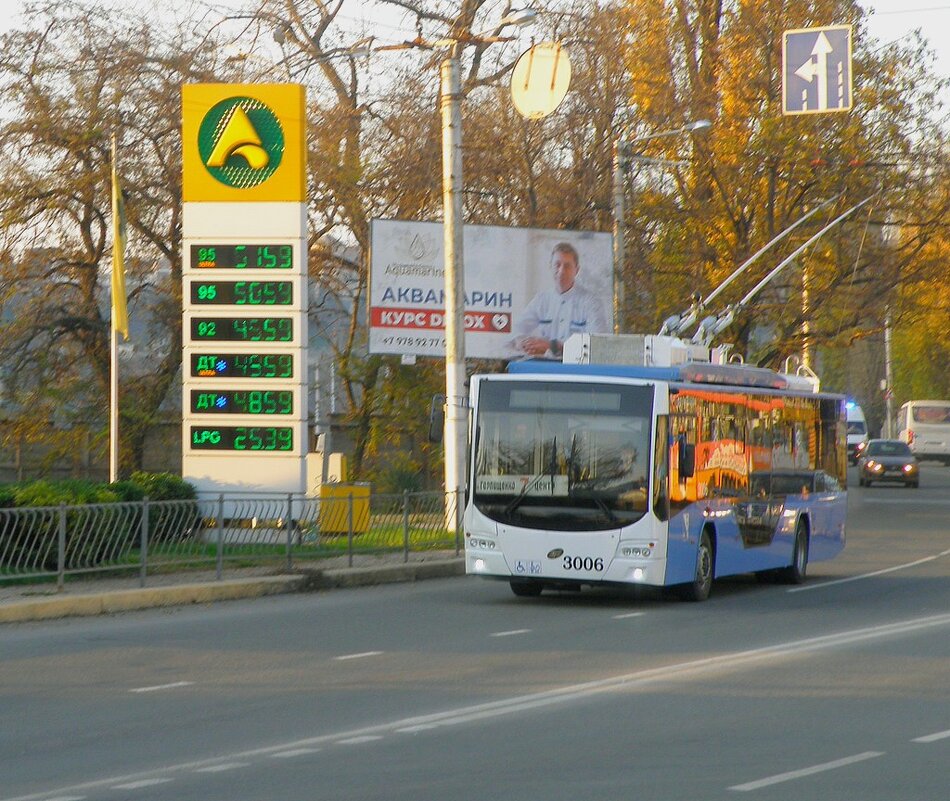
(97, 596)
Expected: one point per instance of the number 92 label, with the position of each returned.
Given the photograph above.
(582, 563)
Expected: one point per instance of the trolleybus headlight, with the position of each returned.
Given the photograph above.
(637, 573)
(479, 565)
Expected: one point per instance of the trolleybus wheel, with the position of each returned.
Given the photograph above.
(698, 589)
(795, 572)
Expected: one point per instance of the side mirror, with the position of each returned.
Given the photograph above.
(436, 418)
(687, 459)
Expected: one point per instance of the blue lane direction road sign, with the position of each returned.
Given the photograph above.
(816, 70)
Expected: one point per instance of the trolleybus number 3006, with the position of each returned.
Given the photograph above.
(583, 563)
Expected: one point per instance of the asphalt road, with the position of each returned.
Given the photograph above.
(455, 689)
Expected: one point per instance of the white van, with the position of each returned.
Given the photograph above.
(857, 431)
(925, 426)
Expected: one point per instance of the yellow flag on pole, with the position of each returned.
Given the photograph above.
(120, 313)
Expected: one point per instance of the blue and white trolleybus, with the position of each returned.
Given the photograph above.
(593, 474)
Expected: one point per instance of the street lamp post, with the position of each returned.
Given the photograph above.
(456, 412)
(622, 155)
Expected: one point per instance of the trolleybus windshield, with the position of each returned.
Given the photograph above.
(563, 457)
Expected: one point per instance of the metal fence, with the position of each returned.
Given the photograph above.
(229, 530)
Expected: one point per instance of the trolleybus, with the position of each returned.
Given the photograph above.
(586, 474)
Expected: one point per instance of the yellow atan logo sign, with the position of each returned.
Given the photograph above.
(243, 142)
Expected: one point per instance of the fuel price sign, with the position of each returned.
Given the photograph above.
(242, 401)
(259, 439)
(242, 365)
(242, 293)
(242, 257)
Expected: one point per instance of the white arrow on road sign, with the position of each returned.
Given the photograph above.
(817, 67)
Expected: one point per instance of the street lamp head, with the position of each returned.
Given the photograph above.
(699, 125)
(518, 16)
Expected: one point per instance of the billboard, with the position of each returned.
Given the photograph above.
(526, 289)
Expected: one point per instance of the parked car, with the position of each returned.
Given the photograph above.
(888, 460)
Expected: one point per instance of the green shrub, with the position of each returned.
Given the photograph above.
(127, 490)
(111, 534)
(72, 492)
(164, 486)
(7, 496)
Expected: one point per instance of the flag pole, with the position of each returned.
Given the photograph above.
(114, 403)
(119, 317)
(113, 348)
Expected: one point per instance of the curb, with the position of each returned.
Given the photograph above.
(389, 574)
(234, 589)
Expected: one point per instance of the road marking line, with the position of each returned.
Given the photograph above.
(904, 566)
(139, 784)
(366, 738)
(158, 687)
(629, 614)
(66, 798)
(294, 752)
(505, 706)
(511, 633)
(357, 656)
(798, 774)
(932, 738)
(414, 729)
(223, 767)
(915, 502)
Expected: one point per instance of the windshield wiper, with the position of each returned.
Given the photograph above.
(515, 502)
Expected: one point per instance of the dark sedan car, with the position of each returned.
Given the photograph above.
(888, 460)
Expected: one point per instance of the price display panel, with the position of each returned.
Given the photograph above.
(242, 257)
(242, 329)
(244, 439)
(242, 401)
(242, 293)
(242, 365)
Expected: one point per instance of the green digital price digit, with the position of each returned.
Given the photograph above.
(241, 328)
(286, 256)
(207, 329)
(240, 254)
(265, 258)
(207, 292)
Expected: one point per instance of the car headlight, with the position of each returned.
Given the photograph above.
(910, 468)
(877, 467)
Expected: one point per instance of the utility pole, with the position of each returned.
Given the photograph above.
(806, 315)
(619, 170)
(888, 377)
(455, 395)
